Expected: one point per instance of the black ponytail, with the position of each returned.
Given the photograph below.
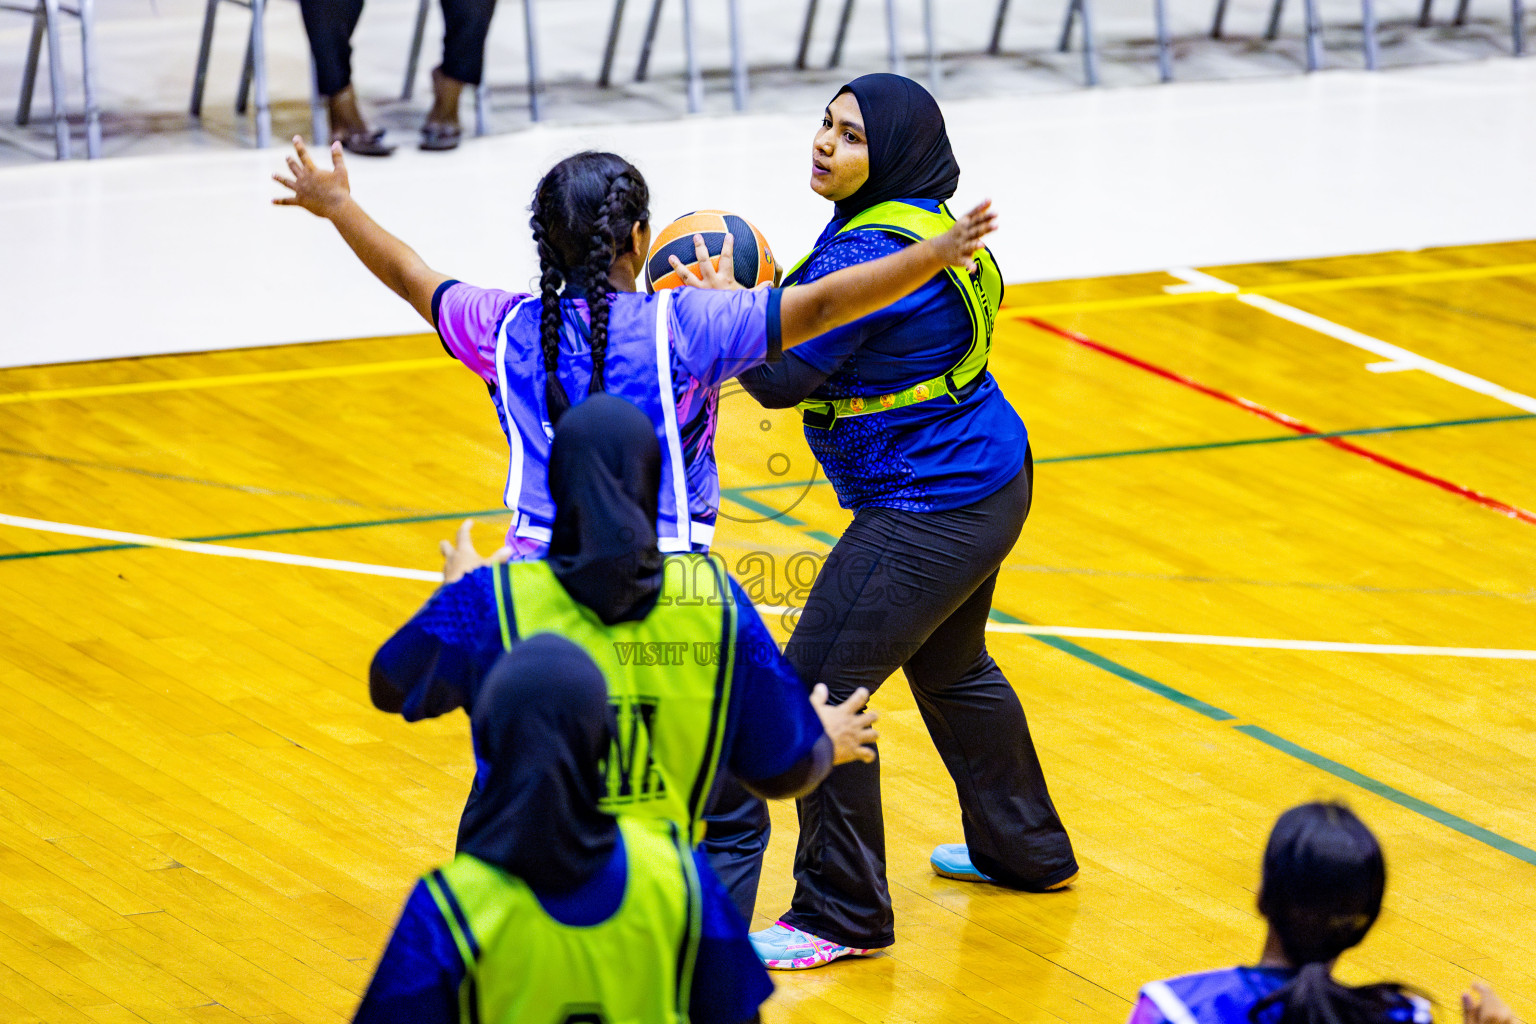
(584, 214)
(1324, 877)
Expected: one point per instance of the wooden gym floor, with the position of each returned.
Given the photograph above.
(202, 819)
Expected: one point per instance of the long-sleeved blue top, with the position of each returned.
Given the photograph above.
(435, 663)
(934, 456)
(418, 977)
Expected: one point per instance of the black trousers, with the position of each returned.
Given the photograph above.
(329, 24)
(912, 590)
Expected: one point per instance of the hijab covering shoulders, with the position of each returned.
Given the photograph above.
(909, 152)
(542, 725)
(605, 479)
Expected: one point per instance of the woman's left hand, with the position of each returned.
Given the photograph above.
(708, 276)
(460, 558)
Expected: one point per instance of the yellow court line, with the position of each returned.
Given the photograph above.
(233, 380)
(1011, 312)
(1289, 288)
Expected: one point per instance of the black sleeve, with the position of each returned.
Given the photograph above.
(784, 384)
(802, 777)
(775, 326)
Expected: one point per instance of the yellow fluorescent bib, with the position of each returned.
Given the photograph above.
(669, 679)
(982, 291)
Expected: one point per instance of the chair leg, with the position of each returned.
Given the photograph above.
(88, 78)
(259, 60)
(1314, 36)
(996, 44)
(738, 58)
(483, 109)
(1065, 42)
(1164, 47)
(319, 121)
(892, 39)
(842, 34)
(1462, 8)
(1425, 11)
(413, 58)
(1219, 19)
(805, 35)
(1272, 31)
(1517, 23)
(605, 73)
(200, 77)
(34, 58)
(650, 40)
(691, 58)
(482, 94)
(1368, 34)
(56, 80)
(933, 46)
(247, 74)
(1090, 49)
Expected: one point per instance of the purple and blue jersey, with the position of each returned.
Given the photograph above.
(419, 975)
(1227, 996)
(667, 353)
(933, 456)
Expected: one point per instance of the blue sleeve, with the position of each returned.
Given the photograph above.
(717, 334)
(435, 662)
(770, 724)
(729, 981)
(418, 977)
(826, 352)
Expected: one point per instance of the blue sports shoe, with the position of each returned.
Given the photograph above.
(953, 860)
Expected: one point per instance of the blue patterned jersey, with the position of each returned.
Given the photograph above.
(930, 457)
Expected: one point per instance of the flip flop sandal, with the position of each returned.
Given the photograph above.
(437, 137)
(366, 143)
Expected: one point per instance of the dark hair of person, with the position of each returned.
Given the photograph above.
(584, 214)
(1324, 877)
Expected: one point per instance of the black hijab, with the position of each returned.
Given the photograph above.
(605, 479)
(542, 728)
(909, 154)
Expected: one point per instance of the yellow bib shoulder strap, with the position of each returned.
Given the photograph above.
(982, 291)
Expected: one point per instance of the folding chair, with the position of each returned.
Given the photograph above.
(482, 91)
(253, 72)
(1314, 29)
(47, 17)
(1516, 18)
(892, 36)
(1081, 11)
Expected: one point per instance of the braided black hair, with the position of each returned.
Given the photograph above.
(584, 214)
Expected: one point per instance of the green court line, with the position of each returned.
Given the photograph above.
(1397, 796)
(252, 534)
(1285, 746)
(735, 492)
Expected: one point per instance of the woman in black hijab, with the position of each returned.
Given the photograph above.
(917, 439)
(541, 865)
(603, 564)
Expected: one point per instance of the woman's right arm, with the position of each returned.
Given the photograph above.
(328, 194)
(809, 310)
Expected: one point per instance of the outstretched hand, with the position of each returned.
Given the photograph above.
(957, 247)
(708, 275)
(317, 190)
(849, 725)
(1483, 1006)
(460, 558)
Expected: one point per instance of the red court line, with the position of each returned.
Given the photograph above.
(1290, 423)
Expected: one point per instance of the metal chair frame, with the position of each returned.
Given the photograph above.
(1516, 19)
(739, 78)
(47, 16)
(482, 91)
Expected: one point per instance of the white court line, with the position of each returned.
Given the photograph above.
(1400, 358)
(1085, 632)
(283, 558)
(219, 550)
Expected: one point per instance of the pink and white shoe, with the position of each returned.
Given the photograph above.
(783, 948)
